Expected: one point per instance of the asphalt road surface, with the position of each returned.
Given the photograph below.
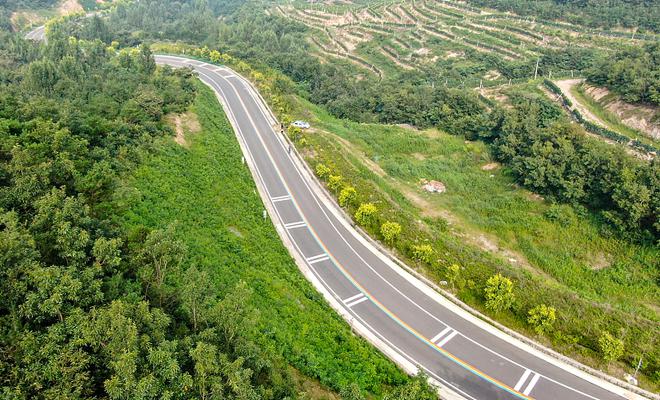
(466, 357)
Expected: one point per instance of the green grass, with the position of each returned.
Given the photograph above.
(211, 198)
(596, 282)
(610, 119)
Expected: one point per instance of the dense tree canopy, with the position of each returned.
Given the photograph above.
(86, 310)
(634, 73)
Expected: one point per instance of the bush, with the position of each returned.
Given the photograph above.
(322, 171)
(334, 182)
(423, 252)
(390, 231)
(453, 271)
(610, 347)
(542, 318)
(366, 214)
(499, 293)
(347, 196)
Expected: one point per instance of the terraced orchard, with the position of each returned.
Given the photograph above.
(453, 42)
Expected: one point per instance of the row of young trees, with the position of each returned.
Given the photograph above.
(599, 13)
(498, 290)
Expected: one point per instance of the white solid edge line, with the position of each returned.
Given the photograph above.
(446, 389)
(604, 384)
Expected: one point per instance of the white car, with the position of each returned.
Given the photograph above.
(301, 124)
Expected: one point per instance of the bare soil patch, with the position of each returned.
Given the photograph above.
(643, 118)
(492, 75)
(184, 124)
(235, 231)
(490, 166)
(599, 261)
(69, 7)
(565, 86)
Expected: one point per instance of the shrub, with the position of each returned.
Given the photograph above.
(390, 231)
(347, 196)
(453, 272)
(499, 293)
(542, 318)
(366, 213)
(334, 182)
(611, 348)
(295, 133)
(423, 252)
(322, 171)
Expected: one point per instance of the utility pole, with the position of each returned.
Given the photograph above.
(536, 71)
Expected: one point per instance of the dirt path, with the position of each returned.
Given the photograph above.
(565, 86)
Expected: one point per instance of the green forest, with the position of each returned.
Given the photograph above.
(633, 73)
(99, 300)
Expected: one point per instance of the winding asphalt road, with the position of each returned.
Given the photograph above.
(409, 321)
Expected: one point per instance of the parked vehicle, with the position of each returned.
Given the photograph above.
(301, 124)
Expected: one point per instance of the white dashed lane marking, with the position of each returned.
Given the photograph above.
(294, 225)
(280, 198)
(443, 337)
(354, 300)
(319, 258)
(523, 379)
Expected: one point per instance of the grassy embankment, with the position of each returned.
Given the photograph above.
(607, 117)
(486, 223)
(208, 194)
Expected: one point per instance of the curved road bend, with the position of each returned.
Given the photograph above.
(461, 355)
